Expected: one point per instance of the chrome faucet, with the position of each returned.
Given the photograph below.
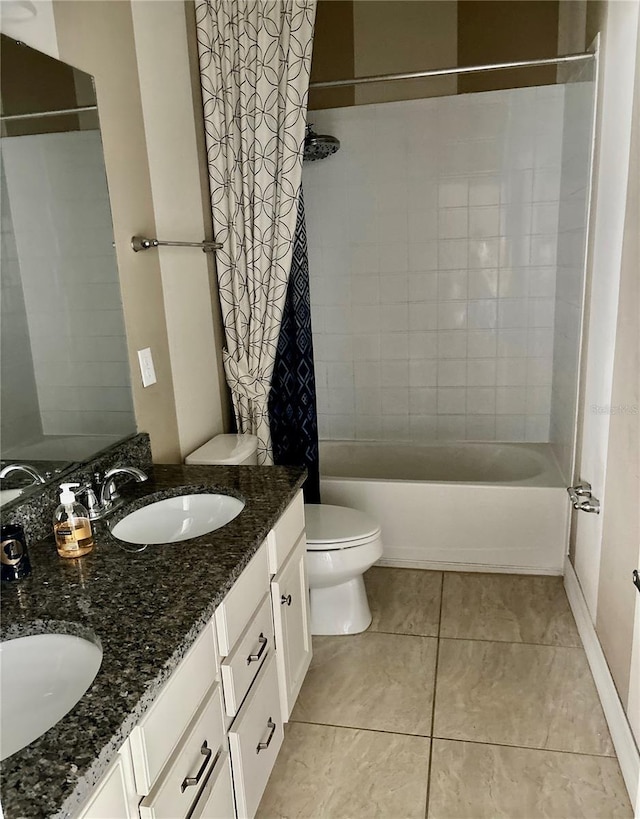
(30, 470)
(108, 493)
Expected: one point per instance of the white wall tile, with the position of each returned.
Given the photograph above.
(481, 372)
(452, 373)
(442, 273)
(452, 400)
(423, 287)
(452, 344)
(452, 427)
(482, 314)
(483, 284)
(452, 315)
(452, 284)
(481, 401)
(423, 373)
(482, 343)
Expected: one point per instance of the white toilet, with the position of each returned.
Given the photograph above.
(341, 545)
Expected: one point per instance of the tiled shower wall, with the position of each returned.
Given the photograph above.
(70, 282)
(432, 248)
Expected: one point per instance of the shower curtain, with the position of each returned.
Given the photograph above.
(292, 402)
(255, 59)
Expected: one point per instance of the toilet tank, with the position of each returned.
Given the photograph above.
(226, 449)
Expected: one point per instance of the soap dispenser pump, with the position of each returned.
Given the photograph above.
(71, 525)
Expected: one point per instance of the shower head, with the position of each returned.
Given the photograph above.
(319, 146)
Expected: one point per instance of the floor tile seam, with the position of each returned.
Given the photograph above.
(433, 702)
(401, 634)
(359, 728)
(509, 642)
(527, 747)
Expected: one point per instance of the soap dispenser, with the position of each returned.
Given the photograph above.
(71, 525)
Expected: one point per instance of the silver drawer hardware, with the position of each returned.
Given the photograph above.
(261, 746)
(188, 781)
(254, 658)
(286, 598)
(582, 499)
(139, 243)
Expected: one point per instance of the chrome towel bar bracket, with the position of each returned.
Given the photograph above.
(142, 243)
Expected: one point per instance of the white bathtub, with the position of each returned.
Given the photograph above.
(467, 506)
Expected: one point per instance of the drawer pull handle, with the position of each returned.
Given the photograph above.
(261, 746)
(286, 598)
(188, 781)
(255, 658)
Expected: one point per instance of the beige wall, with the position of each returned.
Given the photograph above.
(332, 54)
(160, 28)
(398, 36)
(502, 30)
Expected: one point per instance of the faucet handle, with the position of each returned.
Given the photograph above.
(94, 508)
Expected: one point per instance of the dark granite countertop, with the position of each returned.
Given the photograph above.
(144, 608)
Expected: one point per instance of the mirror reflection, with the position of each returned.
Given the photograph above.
(65, 388)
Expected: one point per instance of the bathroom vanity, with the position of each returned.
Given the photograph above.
(205, 647)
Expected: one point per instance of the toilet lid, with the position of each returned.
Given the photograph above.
(328, 526)
(224, 449)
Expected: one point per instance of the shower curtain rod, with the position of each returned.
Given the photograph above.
(59, 113)
(441, 72)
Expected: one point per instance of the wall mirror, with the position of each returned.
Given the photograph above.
(65, 384)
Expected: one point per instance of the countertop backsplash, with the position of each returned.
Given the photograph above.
(35, 513)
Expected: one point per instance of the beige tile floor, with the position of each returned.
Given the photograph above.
(469, 697)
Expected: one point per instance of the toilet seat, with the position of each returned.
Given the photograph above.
(330, 528)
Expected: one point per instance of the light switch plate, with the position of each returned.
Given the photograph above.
(146, 367)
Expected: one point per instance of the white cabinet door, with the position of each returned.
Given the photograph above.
(115, 794)
(290, 601)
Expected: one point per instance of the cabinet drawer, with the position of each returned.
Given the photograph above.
(160, 729)
(241, 666)
(284, 535)
(255, 739)
(216, 799)
(175, 792)
(246, 594)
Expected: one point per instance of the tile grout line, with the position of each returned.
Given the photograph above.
(472, 639)
(356, 728)
(433, 704)
(454, 739)
(527, 748)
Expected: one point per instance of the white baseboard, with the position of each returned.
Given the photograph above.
(439, 566)
(621, 734)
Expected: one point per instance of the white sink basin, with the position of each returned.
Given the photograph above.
(41, 678)
(175, 519)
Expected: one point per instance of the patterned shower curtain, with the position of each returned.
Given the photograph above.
(255, 59)
(292, 402)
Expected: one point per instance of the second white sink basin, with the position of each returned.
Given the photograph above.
(41, 678)
(175, 519)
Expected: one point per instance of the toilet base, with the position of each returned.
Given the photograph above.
(341, 609)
